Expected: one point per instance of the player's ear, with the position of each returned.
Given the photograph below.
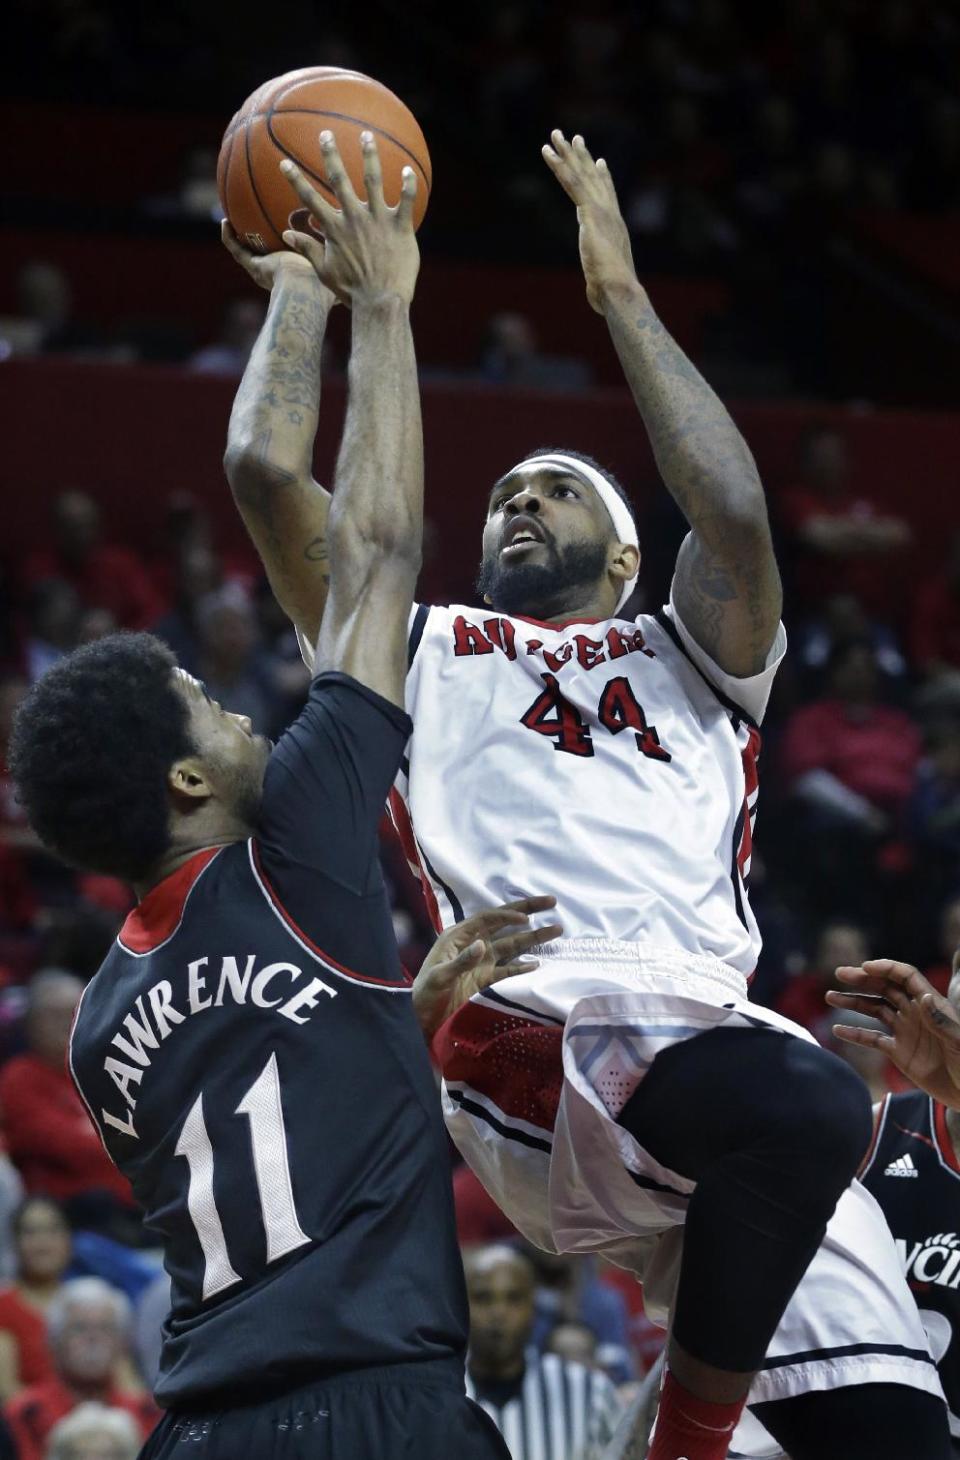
(188, 778)
(624, 561)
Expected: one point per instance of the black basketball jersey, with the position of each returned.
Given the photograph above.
(913, 1172)
(251, 1058)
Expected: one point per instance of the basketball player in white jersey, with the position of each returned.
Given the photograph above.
(628, 1089)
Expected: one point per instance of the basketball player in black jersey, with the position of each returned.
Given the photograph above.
(249, 1051)
(913, 1165)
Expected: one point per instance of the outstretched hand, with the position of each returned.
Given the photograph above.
(477, 953)
(359, 250)
(605, 252)
(921, 1033)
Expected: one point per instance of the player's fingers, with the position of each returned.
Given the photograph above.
(499, 971)
(542, 902)
(581, 151)
(308, 195)
(866, 1038)
(310, 248)
(880, 975)
(230, 241)
(488, 924)
(873, 1007)
(302, 221)
(408, 194)
(938, 1013)
(562, 172)
(337, 175)
(372, 174)
(509, 945)
(468, 958)
(607, 177)
(560, 145)
(903, 974)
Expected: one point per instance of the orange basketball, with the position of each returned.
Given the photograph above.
(284, 118)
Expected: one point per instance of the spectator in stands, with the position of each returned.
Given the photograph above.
(941, 970)
(44, 304)
(849, 762)
(839, 944)
(933, 814)
(935, 631)
(48, 1132)
(479, 1220)
(88, 1325)
(839, 619)
(53, 625)
(102, 575)
(531, 1397)
(230, 351)
(95, 1432)
(841, 537)
(13, 823)
(574, 1341)
(568, 1289)
(511, 356)
(197, 573)
(229, 661)
(43, 1247)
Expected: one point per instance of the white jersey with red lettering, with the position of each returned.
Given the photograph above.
(612, 764)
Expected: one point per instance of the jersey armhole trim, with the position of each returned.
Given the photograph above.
(76, 1083)
(416, 632)
(948, 1155)
(732, 708)
(387, 986)
(874, 1146)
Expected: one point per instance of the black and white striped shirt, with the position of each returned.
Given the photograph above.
(559, 1410)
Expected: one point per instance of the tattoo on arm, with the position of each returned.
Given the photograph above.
(727, 582)
(270, 450)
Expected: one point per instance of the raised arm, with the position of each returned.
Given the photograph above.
(269, 456)
(375, 524)
(726, 587)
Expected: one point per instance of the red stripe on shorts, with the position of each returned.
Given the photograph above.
(515, 1062)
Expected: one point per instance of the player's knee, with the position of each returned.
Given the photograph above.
(832, 1110)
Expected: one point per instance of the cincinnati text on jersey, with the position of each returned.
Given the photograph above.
(935, 1260)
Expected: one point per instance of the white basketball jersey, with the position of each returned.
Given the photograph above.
(612, 764)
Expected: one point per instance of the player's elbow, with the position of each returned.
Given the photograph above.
(360, 545)
(252, 474)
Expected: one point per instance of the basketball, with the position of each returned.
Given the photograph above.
(284, 118)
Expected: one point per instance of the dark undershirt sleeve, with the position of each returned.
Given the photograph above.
(327, 784)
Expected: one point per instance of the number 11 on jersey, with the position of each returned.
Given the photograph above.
(271, 1165)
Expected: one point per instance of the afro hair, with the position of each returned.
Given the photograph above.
(91, 747)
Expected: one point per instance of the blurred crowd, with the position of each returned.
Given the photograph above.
(745, 138)
(858, 855)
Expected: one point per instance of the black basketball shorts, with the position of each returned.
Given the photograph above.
(398, 1413)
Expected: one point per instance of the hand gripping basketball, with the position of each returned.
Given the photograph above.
(362, 251)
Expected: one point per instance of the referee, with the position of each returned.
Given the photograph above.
(546, 1407)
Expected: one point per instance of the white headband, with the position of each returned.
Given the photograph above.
(623, 524)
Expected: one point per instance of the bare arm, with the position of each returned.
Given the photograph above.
(375, 523)
(726, 587)
(269, 456)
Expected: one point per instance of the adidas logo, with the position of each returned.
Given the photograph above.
(902, 1166)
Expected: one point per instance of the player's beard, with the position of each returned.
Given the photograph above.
(542, 590)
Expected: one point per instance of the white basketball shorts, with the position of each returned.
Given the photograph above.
(537, 1068)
